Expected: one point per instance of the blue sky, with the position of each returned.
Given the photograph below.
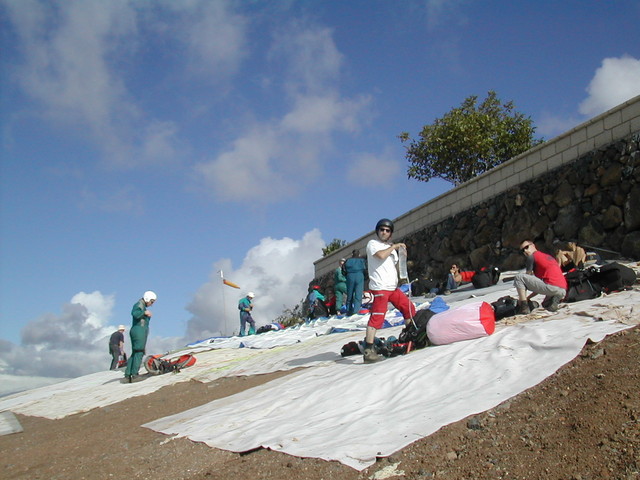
(149, 145)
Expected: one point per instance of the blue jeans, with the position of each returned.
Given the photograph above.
(245, 317)
(355, 287)
(451, 283)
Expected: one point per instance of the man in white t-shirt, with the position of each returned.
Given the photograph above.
(382, 257)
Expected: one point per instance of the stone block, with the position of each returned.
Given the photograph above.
(580, 135)
(570, 155)
(604, 138)
(554, 162)
(595, 128)
(632, 110)
(612, 120)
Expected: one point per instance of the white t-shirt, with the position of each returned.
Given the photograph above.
(382, 273)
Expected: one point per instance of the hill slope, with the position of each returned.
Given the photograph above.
(581, 423)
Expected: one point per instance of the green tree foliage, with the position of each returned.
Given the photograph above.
(292, 316)
(469, 140)
(336, 244)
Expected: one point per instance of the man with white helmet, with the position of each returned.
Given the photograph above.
(245, 305)
(139, 332)
(116, 346)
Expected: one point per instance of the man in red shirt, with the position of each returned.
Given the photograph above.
(543, 276)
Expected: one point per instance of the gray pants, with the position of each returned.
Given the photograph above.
(524, 281)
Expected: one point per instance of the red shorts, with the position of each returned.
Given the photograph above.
(379, 308)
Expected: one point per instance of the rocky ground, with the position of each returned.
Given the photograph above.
(582, 423)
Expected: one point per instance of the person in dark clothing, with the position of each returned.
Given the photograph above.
(355, 268)
(116, 346)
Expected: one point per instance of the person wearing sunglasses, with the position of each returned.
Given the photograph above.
(382, 258)
(543, 276)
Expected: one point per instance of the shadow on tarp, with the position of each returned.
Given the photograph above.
(321, 357)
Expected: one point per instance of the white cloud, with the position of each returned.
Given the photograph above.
(322, 114)
(549, 125)
(74, 342)
(123, 199)
(616, 81)
(98, 307)
(216, 37)
(73, 53)
(276, 158)
(311, 60)
(374, 170)
(13, 383)
(252, 170)
(277, 270)
(445, 12)
(67, 345)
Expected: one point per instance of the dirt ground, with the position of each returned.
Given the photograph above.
(582, 423)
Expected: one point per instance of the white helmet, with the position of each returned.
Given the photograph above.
(251, 294)
(149, 295)
(121, 327)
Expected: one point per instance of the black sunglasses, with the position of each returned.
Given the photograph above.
(524, 249)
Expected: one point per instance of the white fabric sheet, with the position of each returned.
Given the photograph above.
(339, 408)
(352, 412)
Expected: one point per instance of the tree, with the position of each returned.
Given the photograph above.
(336, 244)
(469, 140)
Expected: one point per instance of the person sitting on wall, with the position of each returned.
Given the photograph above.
(330, 301)
(455, 278)
(570, 257)
(316, 301)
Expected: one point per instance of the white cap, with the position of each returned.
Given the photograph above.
(121, 327)
(149, 295)
(251, 294)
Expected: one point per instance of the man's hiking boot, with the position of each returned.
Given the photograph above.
(371, 356)
(523, 308)
(554, 303)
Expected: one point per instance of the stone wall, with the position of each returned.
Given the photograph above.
(583, 186)
(594, 201)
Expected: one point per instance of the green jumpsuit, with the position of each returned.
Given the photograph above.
(138, 333)
(340, 288)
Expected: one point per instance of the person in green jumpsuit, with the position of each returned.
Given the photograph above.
(340, 286)
(139, 333)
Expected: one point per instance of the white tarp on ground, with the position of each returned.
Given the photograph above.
(341, 409)
(9, 423)
(352, 412)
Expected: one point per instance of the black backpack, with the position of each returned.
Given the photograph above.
(485, 277)
(416, 332)
(613, 277)
(582, 285)
(506, 306)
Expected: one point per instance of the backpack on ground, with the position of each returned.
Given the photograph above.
(422, 286)
(506, 306)
(613, 277)
(582, 285)
(485, 277)
(416, 332)
(156, 365)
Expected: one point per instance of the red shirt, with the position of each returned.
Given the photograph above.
(466, 276)
(546, 268)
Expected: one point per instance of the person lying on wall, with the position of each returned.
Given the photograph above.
(455, 278)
